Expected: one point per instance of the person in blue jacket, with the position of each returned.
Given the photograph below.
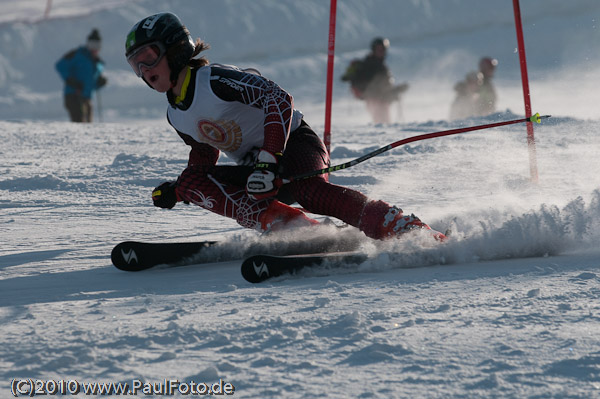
(81, 69)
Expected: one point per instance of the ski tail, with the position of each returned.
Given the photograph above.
(259, 268)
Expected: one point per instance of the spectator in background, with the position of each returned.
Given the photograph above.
(486, 103)
(370, 80)
(81, 70)
(467, 96)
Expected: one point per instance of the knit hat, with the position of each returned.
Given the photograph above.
(94, 40)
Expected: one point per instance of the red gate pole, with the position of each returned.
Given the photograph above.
(329, 90)
(526, 94)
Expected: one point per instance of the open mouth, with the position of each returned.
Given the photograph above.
(153, 78)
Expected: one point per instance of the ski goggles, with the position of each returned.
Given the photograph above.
(149, 55)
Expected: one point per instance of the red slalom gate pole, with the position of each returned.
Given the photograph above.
(535, 118)
(329, 90)
(526, 94)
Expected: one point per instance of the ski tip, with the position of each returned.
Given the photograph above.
(123, 257)
(254, 270)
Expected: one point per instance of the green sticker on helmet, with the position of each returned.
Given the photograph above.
(130, 40)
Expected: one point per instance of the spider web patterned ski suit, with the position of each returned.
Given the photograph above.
(239, 113)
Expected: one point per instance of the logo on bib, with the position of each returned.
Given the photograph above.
(221, 134)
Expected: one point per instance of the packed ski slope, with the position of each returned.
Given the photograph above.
(508, 308)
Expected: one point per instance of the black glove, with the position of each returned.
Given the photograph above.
(164, 195)
(74, 83)
(101, 81)
(264, 181)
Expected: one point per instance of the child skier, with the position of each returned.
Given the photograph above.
(250, 118)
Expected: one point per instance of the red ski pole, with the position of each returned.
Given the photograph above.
(534, 118)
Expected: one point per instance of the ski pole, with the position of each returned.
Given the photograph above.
(534, 118)
(98, 98)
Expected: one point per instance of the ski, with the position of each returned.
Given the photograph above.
(259, 268)
(134, 256)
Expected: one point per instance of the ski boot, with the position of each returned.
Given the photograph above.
(381, 221)
(395, 224)
(279, 216)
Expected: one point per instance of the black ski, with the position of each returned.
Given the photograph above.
(133, 256)
(258, 268)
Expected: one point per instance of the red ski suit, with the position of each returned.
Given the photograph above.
(240, 113)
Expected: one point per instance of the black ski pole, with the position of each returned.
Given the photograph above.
(534, 118)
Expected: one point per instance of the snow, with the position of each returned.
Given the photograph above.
(508, 308)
